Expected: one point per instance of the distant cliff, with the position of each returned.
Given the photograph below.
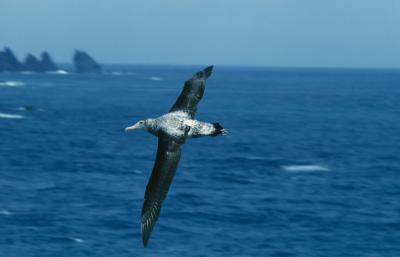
(32, 64)
(8, 62)
(84, 63)
(48, 63)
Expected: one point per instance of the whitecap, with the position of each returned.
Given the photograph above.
(60, 72)
(157, 78)
(29, 108)
(5, 212)
(11, 83)
(77, 240)
(304, 168)
(116, 73)
(10, 116)
(137, 171)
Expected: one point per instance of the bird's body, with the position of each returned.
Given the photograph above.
(179, 126)
(172, 130)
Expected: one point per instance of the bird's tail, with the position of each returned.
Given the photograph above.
(218, 130)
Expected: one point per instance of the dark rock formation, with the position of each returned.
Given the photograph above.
(3, 62)
(8, 61)
(31, 63)
(84, 63)
(47, 62)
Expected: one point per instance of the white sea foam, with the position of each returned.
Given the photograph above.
(304, 168)
(77, 240)
(10, 116)
(137, 171)
(29, 108)
(5, 212)
(60, 72)
(116, 73)
(12, 83)
(157, 78)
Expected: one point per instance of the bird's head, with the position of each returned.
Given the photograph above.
(138, 125)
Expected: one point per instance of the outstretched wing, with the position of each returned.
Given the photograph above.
(192, 92)
(168, 155)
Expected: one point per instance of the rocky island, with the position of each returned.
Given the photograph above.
(84, 63)
(31, 63)
(48, 63)
(8, 62)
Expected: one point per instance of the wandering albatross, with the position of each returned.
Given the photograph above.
(172, 130)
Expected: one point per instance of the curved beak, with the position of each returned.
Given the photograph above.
(133, 127)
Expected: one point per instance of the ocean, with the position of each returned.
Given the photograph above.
(310, 166)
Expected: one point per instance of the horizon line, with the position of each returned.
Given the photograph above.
(244, 66)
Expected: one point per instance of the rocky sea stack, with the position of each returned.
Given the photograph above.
(8, 62)
(48, 63)
(84, 63)
(31, 63)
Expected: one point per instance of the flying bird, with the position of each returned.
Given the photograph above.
(172, 130)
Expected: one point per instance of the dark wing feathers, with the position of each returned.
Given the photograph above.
(168, 155)
(192, 92)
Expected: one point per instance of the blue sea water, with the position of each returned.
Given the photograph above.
(310, 167)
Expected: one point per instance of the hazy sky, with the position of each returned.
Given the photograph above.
(334, 33)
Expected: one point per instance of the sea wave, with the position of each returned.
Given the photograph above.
(137, 171)
(12, 83)
(5, 212)
(60, 72)
(10, 116)
(157, 78)
(254, 157)
(29, 108)
(77, 240)
(304, 168)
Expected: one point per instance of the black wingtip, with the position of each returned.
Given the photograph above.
(145, 236)
(204, 74)
(207, 71)
(145, 240)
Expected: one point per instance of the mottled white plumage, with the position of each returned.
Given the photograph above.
(179, 125)
(173, 124)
